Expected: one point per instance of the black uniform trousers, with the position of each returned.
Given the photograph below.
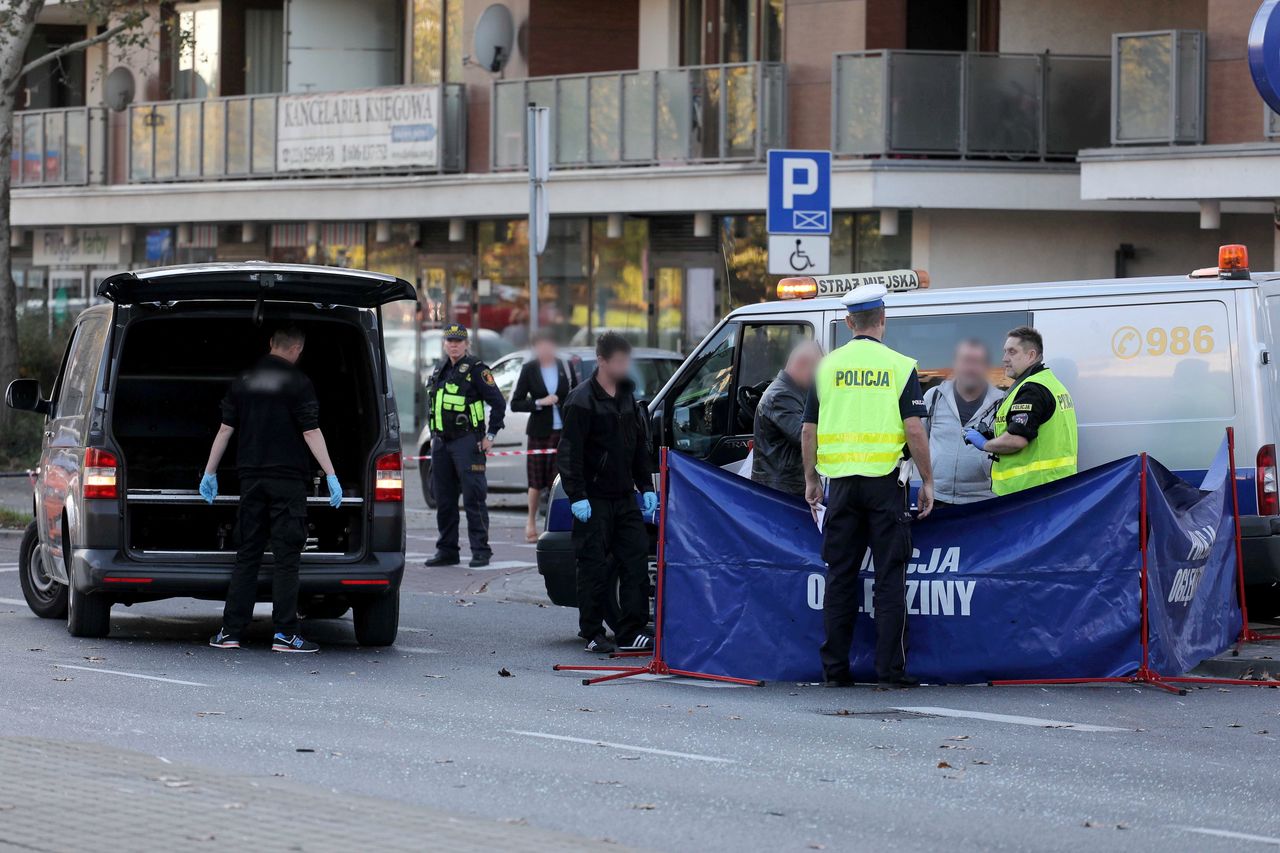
(457, 465)
(616, 529)
(866, 512)
(272, 512)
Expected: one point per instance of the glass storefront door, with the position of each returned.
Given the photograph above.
(685, 302)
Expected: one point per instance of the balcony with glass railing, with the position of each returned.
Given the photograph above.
(392, 130)
(1158, 86)
(64, 147)
(670, 116)
(1004, 106)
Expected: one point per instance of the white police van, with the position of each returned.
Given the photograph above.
(1160, 364)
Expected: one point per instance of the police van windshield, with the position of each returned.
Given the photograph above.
(932, 340)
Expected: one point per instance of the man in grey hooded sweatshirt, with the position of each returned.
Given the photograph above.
(962, 473)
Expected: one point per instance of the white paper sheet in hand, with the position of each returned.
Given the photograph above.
(819, 513)
(744, 470)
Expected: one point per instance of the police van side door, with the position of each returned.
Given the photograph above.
(710, 408)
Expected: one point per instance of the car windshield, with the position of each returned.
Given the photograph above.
(649, 374)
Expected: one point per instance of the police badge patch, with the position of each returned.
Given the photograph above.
(487, 376)
(464, 367)
(1020, 419)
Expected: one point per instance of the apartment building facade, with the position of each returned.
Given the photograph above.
(985, 140)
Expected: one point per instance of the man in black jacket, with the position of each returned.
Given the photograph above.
(542, 384)
(604, 461)
(775, 454)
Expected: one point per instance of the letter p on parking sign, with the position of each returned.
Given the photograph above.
(799, 192)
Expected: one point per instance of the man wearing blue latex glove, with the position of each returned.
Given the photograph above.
(209, 487)
(977, 439)
(604, 461)
(272, 410)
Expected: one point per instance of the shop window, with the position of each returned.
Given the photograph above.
(618, 301)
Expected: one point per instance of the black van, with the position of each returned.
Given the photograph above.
(118, 518)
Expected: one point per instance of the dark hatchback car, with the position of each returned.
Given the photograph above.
(118, 518)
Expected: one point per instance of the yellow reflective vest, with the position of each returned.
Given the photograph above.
(1051, 455)
(860, 431)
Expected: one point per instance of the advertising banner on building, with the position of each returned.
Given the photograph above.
(364, 129)
(87, 247)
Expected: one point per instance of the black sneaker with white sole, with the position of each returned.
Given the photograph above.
(293, 643)
(639, 643)
(601, 645)
(223, 640)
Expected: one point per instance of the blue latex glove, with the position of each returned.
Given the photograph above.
(581, 510)
(650, 501)
(335, 490)
(977, 439)
(209, 487)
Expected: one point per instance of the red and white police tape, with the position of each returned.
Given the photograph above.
(493, 453)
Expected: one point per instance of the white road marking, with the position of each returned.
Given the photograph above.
(1227, 833)
(627, 747)
(8, 569)
(130, 675)
(18, 601)
(1009, 718)
(416, 650)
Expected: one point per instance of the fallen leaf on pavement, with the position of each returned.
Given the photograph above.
(462, 602)
(35, 650)
(734, 717)
(775, 814)
(304, 749)
(1263, 732)
(980, 761)
(444, 761)
(607, 782)
(813, 845)
(629, 757)
(587, 710)
(1093, 824)
(504, 672)
(1234, 726)
(433, 676)
(960, 737)
(942, 765)
(211, 713)
(953, 746)
(63, 678)
(644, 807)
(94, 658)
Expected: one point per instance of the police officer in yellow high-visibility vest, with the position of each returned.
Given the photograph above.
(864, 410)
(1035, 437)
(456, 396)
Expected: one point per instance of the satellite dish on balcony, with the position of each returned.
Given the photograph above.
(495, 34)
(119, 88)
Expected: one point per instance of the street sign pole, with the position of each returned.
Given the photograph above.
(537, 136)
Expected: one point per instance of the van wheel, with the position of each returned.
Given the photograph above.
(88, 615)
(377, 620)
(46, 597)
(424, 472)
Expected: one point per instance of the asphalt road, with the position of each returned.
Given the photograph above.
(667, 764)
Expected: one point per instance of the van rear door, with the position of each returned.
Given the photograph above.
(254, 281)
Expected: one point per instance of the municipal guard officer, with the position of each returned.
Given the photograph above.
(456, 396)
(1035, 438)
(865, 407)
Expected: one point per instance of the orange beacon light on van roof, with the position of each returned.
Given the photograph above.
(1233, 258)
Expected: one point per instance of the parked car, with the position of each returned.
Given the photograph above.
(132, 414)
(651, 369)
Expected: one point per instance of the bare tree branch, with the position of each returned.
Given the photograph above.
(107, 34)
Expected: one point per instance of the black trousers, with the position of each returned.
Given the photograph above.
(866, 512)
(272, 512)
(616, 529)
(457, 465)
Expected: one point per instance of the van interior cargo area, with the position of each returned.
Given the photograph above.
(173, 373)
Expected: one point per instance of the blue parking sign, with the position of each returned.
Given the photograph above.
(799, 192)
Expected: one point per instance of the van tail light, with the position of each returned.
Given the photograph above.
(1268, 495)
(99, 474)
(388, 478)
